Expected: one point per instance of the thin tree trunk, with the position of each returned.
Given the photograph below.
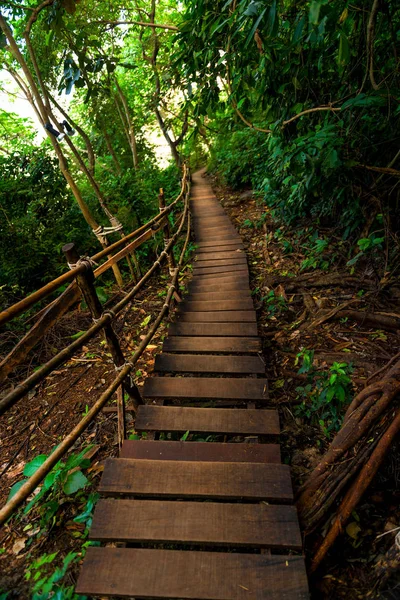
(131, 129)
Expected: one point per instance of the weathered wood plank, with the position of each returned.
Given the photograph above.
(214, 286)
(236, 268)
(206, 523)
(195, 363)
(218, 316)
(217, 329)
(210, 388)
(214, 296)
(220, 255)
(212, 243)
(216, 262)
(234, 421)
(204, 306)
(213, 344)
(191, 479)
(203, 451)
(207, 250)
(190, 575)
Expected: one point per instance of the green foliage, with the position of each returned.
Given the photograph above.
(49, 582)
(366, 246)
(325, 394)
(275, 304)
(65, 479)
(277, 62)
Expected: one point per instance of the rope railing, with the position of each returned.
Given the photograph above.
(19, 307)
(123, 371)
(58, 307)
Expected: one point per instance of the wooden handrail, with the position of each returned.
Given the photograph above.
(30, 382)
(31, 484)
(19, 307)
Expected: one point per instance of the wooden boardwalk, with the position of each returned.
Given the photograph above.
(202, 520)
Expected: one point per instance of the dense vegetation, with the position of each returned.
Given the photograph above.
(297, 100)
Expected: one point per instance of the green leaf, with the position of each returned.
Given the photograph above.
(74, 482)
(185, 436)
(31, 467)
(344, 51)
(253, 29)
(272, 20)
(77, 335)
(313, 14)
(17, 486)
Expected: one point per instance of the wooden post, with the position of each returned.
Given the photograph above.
(85, 281)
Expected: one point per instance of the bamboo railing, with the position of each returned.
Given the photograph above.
(83, 274)
(56, 309)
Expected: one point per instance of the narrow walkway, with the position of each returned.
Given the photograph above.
(202, 520)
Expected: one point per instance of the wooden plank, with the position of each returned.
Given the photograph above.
(219, 262)
(226, 269)
(242, 304)
(203, 451)
(213, 344)
(206, 523)
(222, 236)
(208, 244)
(235, 421)
(191, 479)
(210, 388)
(217, 249)
(241, 277)
(220, 255)
(191, 575)
(213, 296)
(218, 316)
(189, 363)
(209, 329)
(213, 286)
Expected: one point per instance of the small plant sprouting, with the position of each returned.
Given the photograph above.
(276, 304)
(325, 393)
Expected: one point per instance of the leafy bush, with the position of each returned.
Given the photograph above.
(325, 393)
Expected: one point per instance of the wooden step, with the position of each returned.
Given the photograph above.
(210, 388)
(223, 262)
(194, 363)
(202, 451)
(191, 575)
(225, 345)
(217, 316)
(235, 421)
(212, 305)
(216, 243)
(206, 523)
(190, 479)
(207, 250)
(214, 296)
(210, 329)
(240, 277)
(227, 254)
(222, 286)
(226, 269)
(218, 237)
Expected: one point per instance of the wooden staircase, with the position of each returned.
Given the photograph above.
(193, 519)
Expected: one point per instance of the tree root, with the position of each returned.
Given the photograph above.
(365, 425)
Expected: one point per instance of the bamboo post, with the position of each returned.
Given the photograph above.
(85, 281)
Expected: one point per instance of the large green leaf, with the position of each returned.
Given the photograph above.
(31, 467)
(74, 482)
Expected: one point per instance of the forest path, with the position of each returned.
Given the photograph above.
(211, 519)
